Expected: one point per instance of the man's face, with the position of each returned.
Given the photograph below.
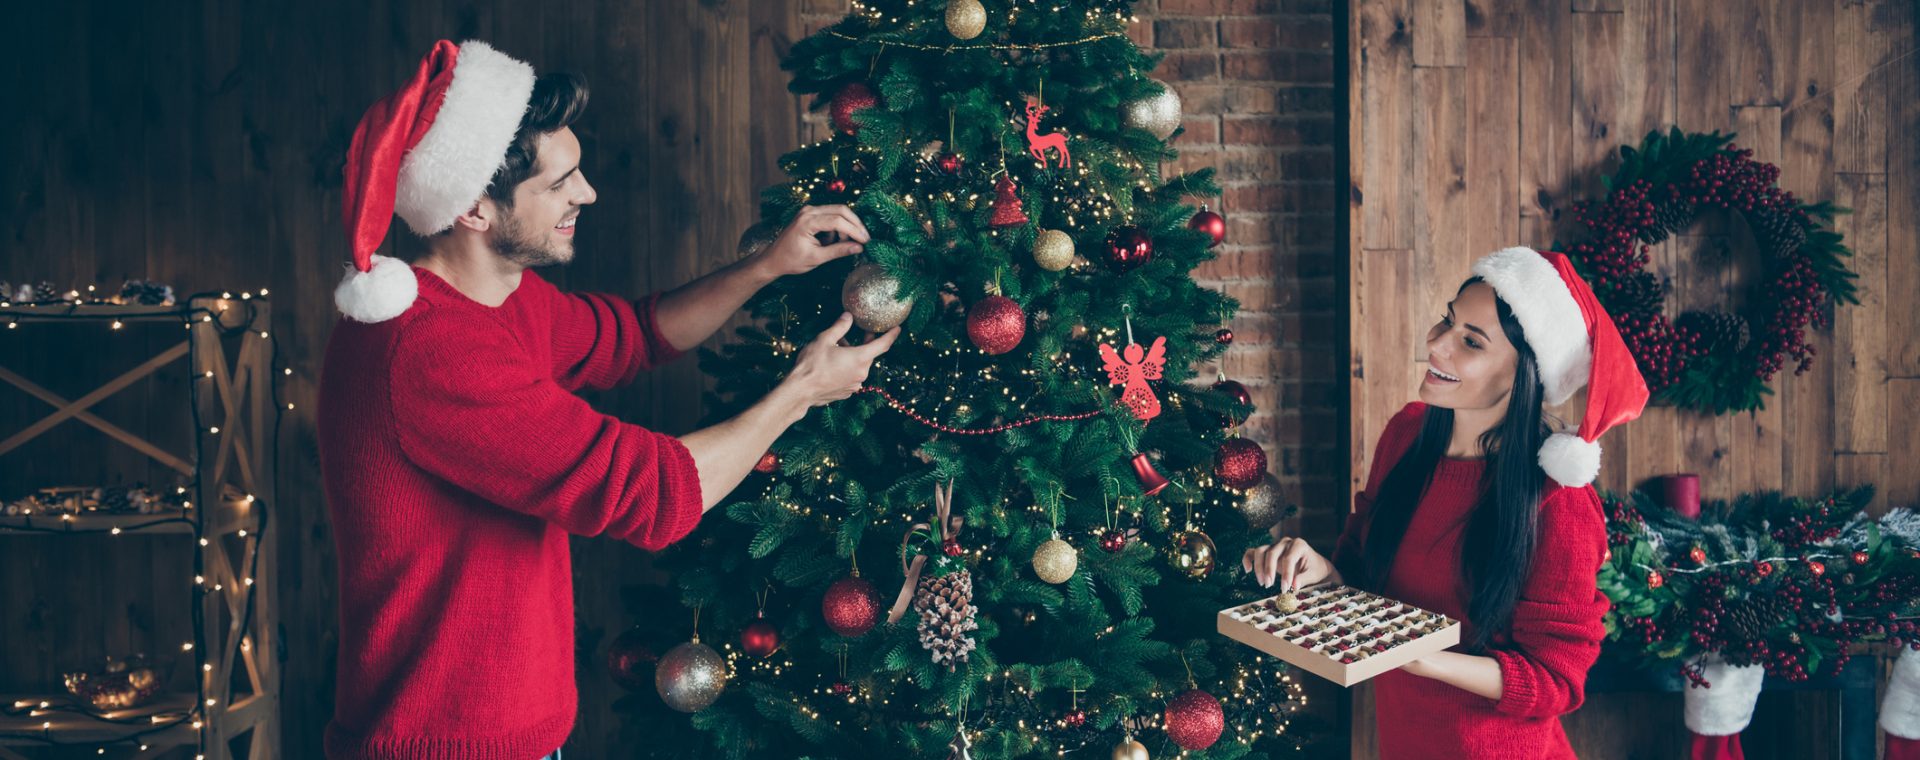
(538, 229)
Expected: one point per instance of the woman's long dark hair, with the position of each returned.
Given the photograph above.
(1497, 551)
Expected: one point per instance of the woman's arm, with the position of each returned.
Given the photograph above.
(1480, 675)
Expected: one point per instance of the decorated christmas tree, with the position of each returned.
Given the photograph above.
(1014, 541)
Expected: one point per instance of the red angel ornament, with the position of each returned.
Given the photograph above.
(1133, 371)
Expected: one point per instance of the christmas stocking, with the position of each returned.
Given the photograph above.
(1717, 713)
(1900, 708)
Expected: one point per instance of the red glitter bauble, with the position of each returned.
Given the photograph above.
(850, 608)
(759, 638)
(628, 661)
(950, 163)
(768, 463)
(1234, 390)
(1195, 720)
(1223, 336)
(849, 101)
(1240, 463)
(1114, 540)
(1211, 223)
(1128, 247)
(996, 324)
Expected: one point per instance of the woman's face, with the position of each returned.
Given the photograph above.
(1470, 362)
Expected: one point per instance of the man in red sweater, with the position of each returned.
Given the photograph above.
(457, 458)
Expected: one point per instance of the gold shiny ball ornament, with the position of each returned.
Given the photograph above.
(1130, 749)
(756, 239)
(1261, 504)
(1053, 250)
(1192, 553)
(1055, 561)
(1159, 114)
(869, 296)
(690, 677)
(966, 19)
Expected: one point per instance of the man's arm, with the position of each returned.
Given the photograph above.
(689, 314)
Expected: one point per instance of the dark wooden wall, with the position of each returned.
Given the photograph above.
(199, 144)
(1476, 124)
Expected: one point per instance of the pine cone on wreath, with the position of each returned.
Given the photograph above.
(1670, 215)
(1718, 330)
(1752, 618)
(1641, 293)
(947, 615)
(1779, 231)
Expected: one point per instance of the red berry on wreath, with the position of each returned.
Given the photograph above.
(1655, 579)
(1240, 463)
(1816, 567)
(1764, 569)
(850, 100)
(1698, 555)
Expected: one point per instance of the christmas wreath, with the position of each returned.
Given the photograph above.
(1713, 362)
(1783, 582)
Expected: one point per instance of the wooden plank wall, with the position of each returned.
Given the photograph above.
(199, 144)
(1476, 123)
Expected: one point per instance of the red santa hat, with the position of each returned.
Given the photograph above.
(1574, 343)
(427, 153)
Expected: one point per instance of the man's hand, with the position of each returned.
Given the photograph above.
(800, 248)
(828, 370)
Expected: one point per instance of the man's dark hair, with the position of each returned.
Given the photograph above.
(557, 101)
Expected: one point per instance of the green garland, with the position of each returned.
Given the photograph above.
(1786, 582)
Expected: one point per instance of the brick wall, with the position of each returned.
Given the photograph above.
(1256, 78)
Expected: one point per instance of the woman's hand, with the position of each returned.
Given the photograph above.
(1290, 561)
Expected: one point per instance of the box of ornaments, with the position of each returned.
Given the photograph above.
(1339, 633)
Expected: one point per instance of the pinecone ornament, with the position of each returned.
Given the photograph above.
(1752, 618)
(1642, 292)
(45, 292)
(1779, 231)
(1718, 330)
(947, 616)
(1670, 215)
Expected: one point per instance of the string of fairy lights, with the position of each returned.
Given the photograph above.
(73, 308)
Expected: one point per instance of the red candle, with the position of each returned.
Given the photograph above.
(1682, 494)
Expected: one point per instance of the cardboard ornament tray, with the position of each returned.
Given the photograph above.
(1340, 633)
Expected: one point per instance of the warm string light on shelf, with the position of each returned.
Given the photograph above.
(75, 309)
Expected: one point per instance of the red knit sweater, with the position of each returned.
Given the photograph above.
(457, 461)
(1556, 631)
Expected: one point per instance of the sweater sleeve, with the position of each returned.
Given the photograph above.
(1557, 623)
(603, 341)
(1394, 441)
(470, 407)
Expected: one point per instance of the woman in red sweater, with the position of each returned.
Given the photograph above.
(1475, 509)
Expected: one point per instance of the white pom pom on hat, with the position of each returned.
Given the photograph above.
(426, 152)
(1575, 343)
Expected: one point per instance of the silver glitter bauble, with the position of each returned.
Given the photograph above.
(1055, 561)
(1053, 250)
(756, 239)
(1261, 504)
(869, 297)
(690, 677)
(1159, 114)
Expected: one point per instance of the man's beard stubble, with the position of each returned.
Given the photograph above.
(513, 243)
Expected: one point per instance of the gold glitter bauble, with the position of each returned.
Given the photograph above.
(1053, 250)
(1159, 114)
(1130, 750)
(869, 297)
(966, 19)
(1261, 504)
(1055, 561)
(756, 239)
(690, 677)
(1192, 553)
